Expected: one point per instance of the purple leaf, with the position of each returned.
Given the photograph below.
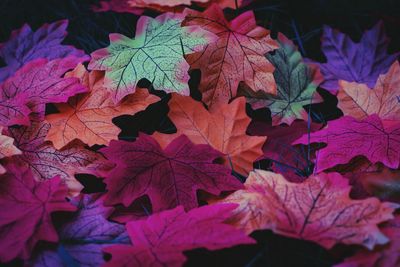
(83, 238)
(25, 45)
(360, 62)
(35, 84)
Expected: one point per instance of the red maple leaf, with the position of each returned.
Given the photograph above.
(169, 177)
(160, 239)
(26, 207)
(347, 137)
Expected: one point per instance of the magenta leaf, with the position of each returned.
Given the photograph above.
(119, 6)
(292, 162)
(25, 45)
(45, 161)
(160, 239)
(35, 84)
(168, 177)
(84, 236)
(360, 62)
(26, 206)
(346, 138)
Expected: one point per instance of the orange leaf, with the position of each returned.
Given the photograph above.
(237, 55)
(359, 101)
(318, 209)
(224, 128)
(88, 116)
(7, 148)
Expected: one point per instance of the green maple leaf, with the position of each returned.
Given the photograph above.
(296, 86)
(156, 54)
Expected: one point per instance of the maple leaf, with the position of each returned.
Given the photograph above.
(347, 137)
(137, 6)
(236, 56)
(359, 101)
(120, 6)
(169, 177)
(25, 45)
(223, 128)
(26, 208)
(319, 209)
(84, 236)
(293, 162)
(156, 54)
(35, 84)
(163, 3)
(384, 256)
(7, 148)
(370, 179)
(296, 81)
(45, 161)
(354, 62)
(160, 239)
(88, 117)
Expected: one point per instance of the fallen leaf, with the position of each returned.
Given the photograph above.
(160, 239)
(236, 56)
(291, 161)
(25, 45)
(88, 117)
(156, 54)
(347, 137)
(368, 179)
(119, 6)
(84, 236)
(169, 177)
(360, 62)
(7, 148)
(296, 86)
(162, 3)
(223, 128)
(35, 84)
(26, 207)
(319, 210)
(384, 256)
(359, 101)
(45, 161)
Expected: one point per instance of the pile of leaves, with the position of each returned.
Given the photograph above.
(218, 175)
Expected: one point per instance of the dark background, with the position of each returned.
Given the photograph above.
(299, 20)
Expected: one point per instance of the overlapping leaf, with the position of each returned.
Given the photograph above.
(84, 236)
(223, 128)
(346, 138)
(45, 161)
(137, 6)
(161, 239)
(35, 84)
(359, 101)
(319, 209)
(385, 256)
(120, 6)
(156, 54)
(236, 56)
(26, 208)
(360, 62)
(296, 82)
(169, 177)
(293, 162)
(88, 117)
(7, 148)
(25, 45)
(370, 179)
